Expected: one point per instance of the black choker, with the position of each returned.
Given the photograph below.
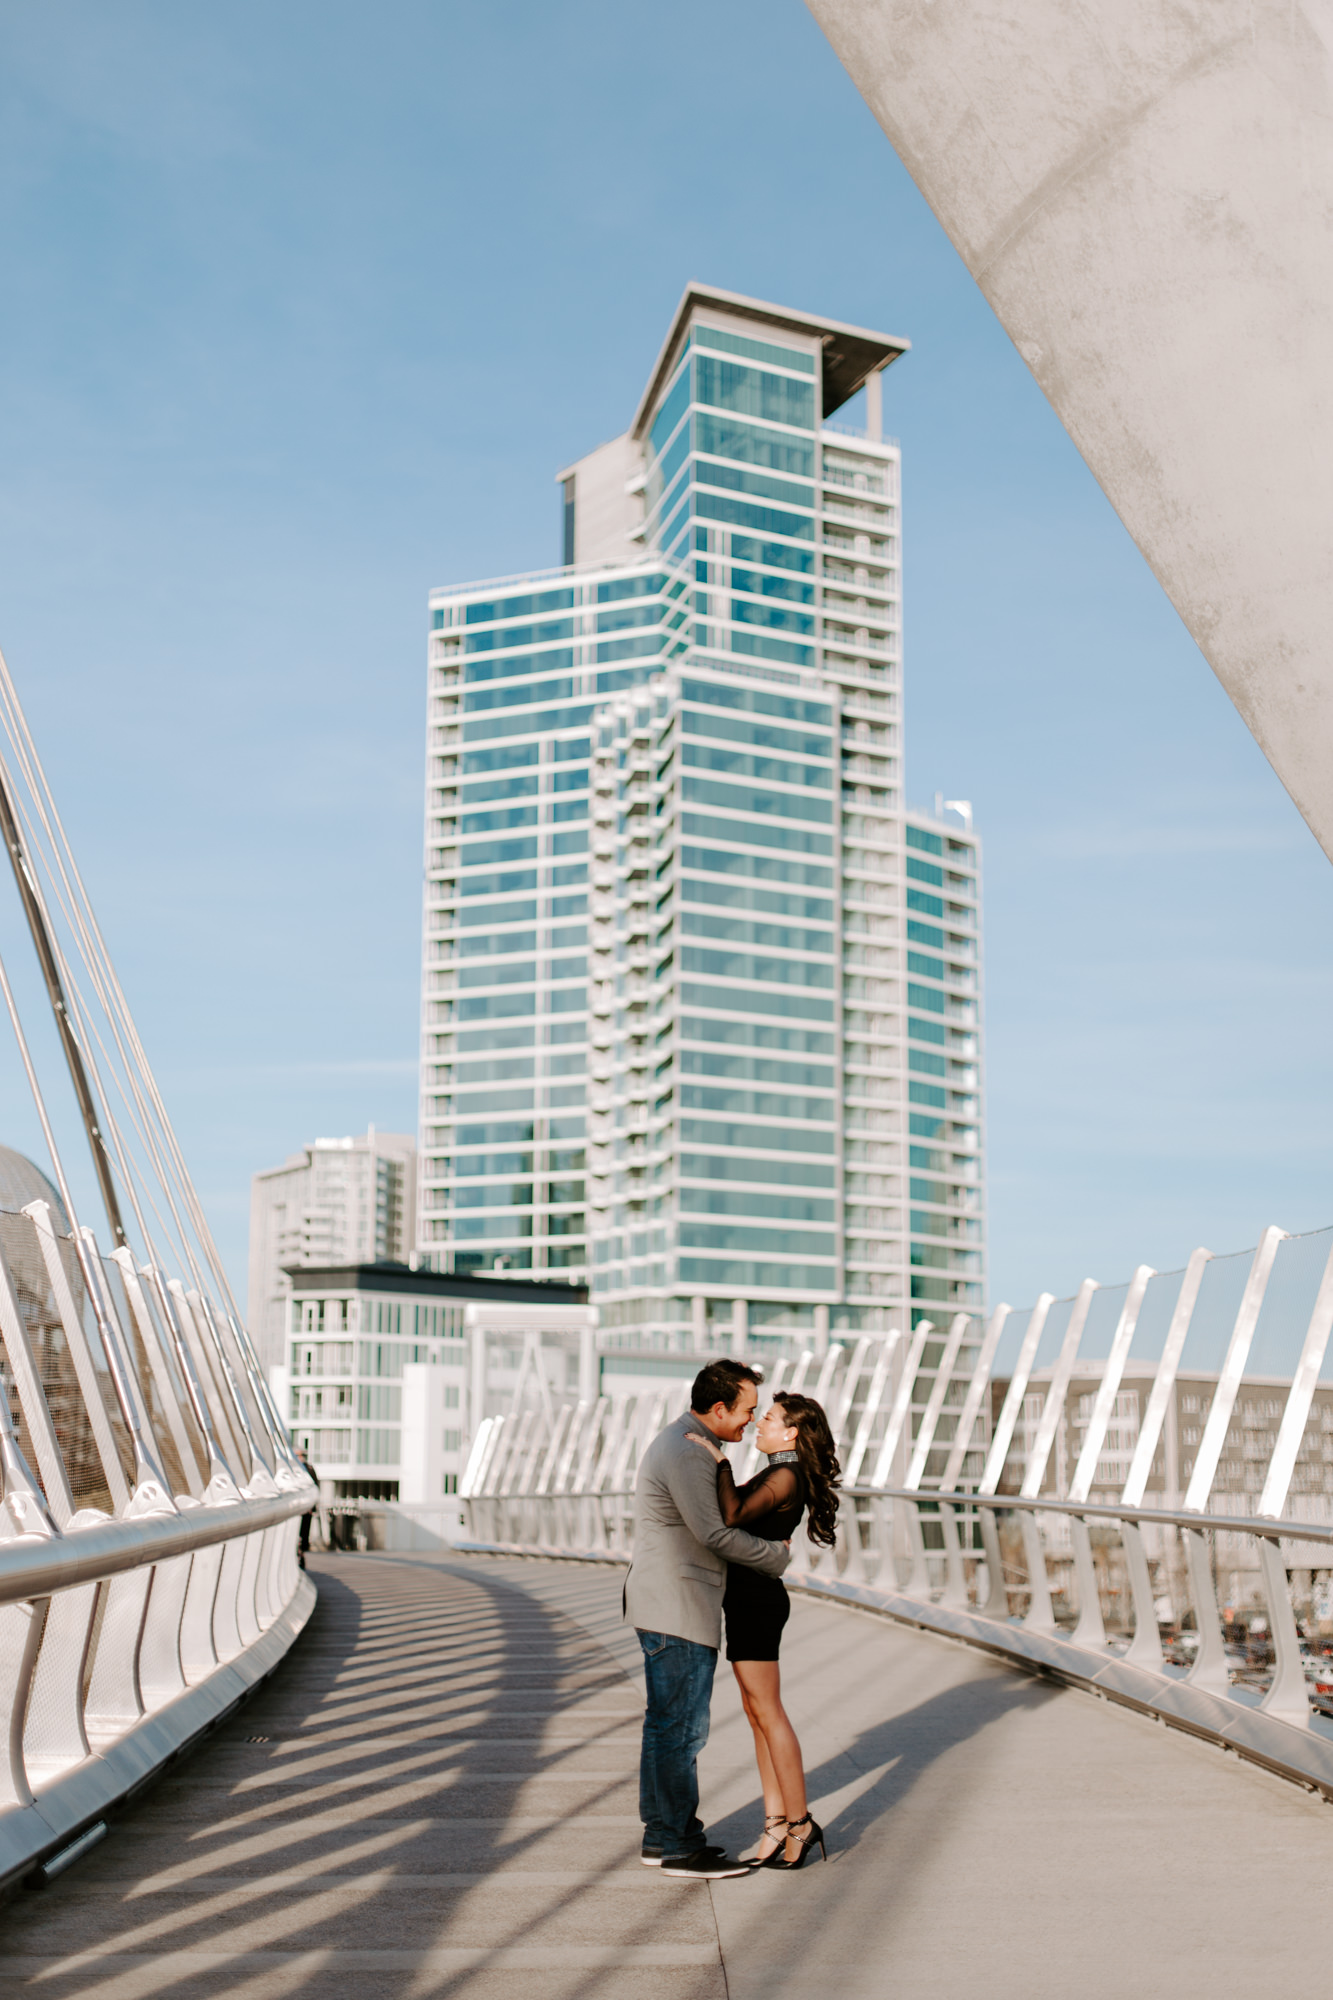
(783, 1457)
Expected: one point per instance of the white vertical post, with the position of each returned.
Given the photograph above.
(1052, 1409)
(919, 1581)
(955, 1583)
(997, 1598)
(588, 1370)
(1013, 1400)
(168, 1394)
(925, 1437)
(902, 1404)
(1233, 1368)
(1041, 1613)
(1091, 1628)
(1299, 1398)
(1210, 1665)
(476, 1402)
(1287, 1696)
(32, 1402)
(1146, 1647)
(840, 1409)
(421, 1468)
(828, 1368)
(870, 1409)
(85, 1368)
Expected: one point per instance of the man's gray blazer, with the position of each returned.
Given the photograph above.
(681, 1543)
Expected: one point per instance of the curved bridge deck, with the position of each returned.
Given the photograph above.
(436, 1794)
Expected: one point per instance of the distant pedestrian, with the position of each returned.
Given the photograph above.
(673, 1596)
(303, 1541)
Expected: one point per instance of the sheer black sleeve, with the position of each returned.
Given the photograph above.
(771, 1489)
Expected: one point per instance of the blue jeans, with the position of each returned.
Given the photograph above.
(679, 1675)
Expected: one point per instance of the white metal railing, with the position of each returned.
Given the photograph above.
(148, 1569)
(977, 1501)
(860, 433)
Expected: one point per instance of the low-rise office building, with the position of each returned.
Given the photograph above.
(385, 1377)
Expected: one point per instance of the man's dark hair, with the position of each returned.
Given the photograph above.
(720, 1382)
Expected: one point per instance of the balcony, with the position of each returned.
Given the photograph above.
(861, 1120)
(875, 1089)
(878, 992)
(854, 481)
(872, 1055)
(859, 513)
(878, 895)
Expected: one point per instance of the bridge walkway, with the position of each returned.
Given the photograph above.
(436, 1793)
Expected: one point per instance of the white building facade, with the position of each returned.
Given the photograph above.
(337, 1201)
(701, 1006)
(386, 1373)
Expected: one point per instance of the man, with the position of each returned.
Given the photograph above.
(673, 1596)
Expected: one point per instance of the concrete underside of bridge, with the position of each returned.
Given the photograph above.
(1144, 193)
(436, 1793)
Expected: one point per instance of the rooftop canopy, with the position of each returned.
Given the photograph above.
(431, 1284)
(850, 352)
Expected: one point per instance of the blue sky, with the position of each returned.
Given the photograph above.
(305, 306)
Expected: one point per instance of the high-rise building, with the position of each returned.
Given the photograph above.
(337, 1201)
(701, 1008)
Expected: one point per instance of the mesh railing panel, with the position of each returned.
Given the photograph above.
(55, 1368)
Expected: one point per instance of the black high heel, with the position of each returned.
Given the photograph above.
(805, 1841)
(775, 1859)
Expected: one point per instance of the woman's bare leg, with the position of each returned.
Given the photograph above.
(761, 1692)
(768, 1777)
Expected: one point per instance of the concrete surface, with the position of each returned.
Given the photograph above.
(1144, 193)
(444, 1803)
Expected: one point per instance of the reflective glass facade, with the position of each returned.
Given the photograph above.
(701, 997)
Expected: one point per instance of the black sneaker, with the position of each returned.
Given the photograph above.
(651, 1857)
(708, 1864)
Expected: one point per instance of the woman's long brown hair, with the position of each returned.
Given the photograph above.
(818, 1461)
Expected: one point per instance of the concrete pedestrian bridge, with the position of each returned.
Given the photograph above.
(435, 1793)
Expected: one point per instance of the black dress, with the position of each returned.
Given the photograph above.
(770, 1505)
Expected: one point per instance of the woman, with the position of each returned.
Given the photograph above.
(802, 1472)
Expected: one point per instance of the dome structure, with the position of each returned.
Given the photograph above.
(21, 1181)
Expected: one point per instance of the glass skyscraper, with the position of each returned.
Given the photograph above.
(701, 1008)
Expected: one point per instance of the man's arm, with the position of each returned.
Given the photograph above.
(692, 1483)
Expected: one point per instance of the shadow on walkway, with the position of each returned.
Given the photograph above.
(902, 1748)
(435, 1793)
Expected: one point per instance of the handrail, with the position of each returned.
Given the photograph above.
(1281, 1529)
(35, 1566)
